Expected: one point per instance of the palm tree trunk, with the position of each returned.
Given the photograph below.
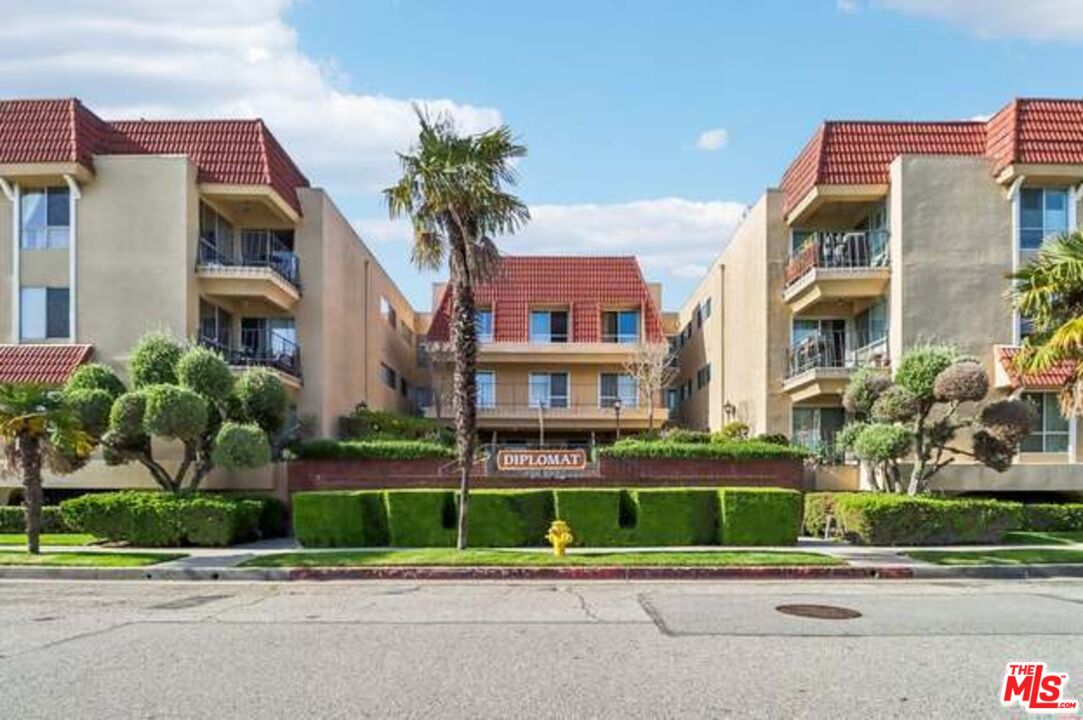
(30, 459)
(464, 342)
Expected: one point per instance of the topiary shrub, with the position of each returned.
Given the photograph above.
(733, 430)
(263, 399)
(421, 518)
(759, 516)
(681, 435)
(880, 442)
(920, 366)
(728, 449)
(964, 381)
(95, 376)
(174, 412)
(880, 519)
(93, 406)
(154, 361)
(273, 513)
(866, 385)
(239, 446)
(340, 519)
(510, 518)
(895, 404)
(205, 373)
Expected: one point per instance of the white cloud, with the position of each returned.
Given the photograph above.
(673, 238)
(711, 140)
(1031, 19)
(214, 58)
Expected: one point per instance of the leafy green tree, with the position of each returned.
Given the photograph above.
(183, 394)
(453, 189)
(1049, 293)
(38, 429)
(920, 415)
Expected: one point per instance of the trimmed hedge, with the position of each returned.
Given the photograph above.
(513, 518)
(154, 519)
(13, 519)
(760, 516)
(883, 519)
(675, 517)
(373, 450)
(1067, 517)
(421, 518)
(339, 519)
(595, 516)
(818, 506)
(716, 449)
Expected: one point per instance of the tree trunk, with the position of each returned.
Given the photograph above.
(30, 459)
(465, 347)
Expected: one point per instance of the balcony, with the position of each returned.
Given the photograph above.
(820, 366)
(581, 407)
(260, 267)
(604, 351)
(260, 348)
(837, 266)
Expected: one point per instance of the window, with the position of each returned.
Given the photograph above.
(215, 238)
(484, 322)
(673, 398)
(870, 326)
(43, 313)
(46, 218)
(705, 307)
(620, 326)
(1042, 212)
(387, 312)
(486, 382)
(616, 386)
(703, 376)
(215, 326)
(388, 376)
(549, 390)
(404, 387)
(1050, 435)
(816, 427)
(549, 326)
(798, 238)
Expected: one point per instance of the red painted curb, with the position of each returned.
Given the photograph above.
(603, 573)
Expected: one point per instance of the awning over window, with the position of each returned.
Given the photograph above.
(44, 364)
(1007, 375)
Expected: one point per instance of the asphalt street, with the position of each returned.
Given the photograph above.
(610, 650)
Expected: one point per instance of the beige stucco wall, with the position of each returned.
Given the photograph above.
(342, 335)
(7, 279)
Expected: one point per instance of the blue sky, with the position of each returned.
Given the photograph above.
(649, 124)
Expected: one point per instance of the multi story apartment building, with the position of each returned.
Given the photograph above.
(883, 235)
(556, 334)
(206, 230)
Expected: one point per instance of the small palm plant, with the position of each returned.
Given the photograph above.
(39, 430)
(1049, 293)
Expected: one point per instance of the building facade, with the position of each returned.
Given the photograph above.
(206, 230)
(882, 236)
(557, 335)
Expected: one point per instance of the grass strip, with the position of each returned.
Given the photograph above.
(1009, 556)
(86, 559)
(54, 539)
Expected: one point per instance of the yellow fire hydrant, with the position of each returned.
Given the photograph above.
(560, 537)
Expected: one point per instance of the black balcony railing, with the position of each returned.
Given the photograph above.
(260, 347)
(256, 250)
(536, 397)
(843, 250)
(835, 350)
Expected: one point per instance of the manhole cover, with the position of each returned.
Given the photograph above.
(819, 612)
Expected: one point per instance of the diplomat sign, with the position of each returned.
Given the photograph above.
(556, 460)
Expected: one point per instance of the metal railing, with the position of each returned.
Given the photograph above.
(254, 250)
(835, 350)
(260, 348)
(623, 338)
(839, 250)
(533, 398)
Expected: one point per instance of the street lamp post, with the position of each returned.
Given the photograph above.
(616, 410)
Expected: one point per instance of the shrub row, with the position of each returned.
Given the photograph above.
(373, 450)
(13, 519)
(514, 518)
(368, 424)
(884, 519)
(153, 519)
(715, 449)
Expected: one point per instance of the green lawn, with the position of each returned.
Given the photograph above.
(49, 539)
(1026, 537)
(1010, 556)
(86, 559)
(491, 558)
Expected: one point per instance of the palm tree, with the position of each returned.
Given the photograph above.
(38, 429)
(1049, 293)
(453, 190)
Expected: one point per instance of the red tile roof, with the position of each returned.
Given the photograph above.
(586, 285)
(860, 152)
(1052, 379)
(44, 364)
(234, 152)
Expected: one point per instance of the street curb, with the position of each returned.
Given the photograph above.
(996, 572)
(423, 573)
